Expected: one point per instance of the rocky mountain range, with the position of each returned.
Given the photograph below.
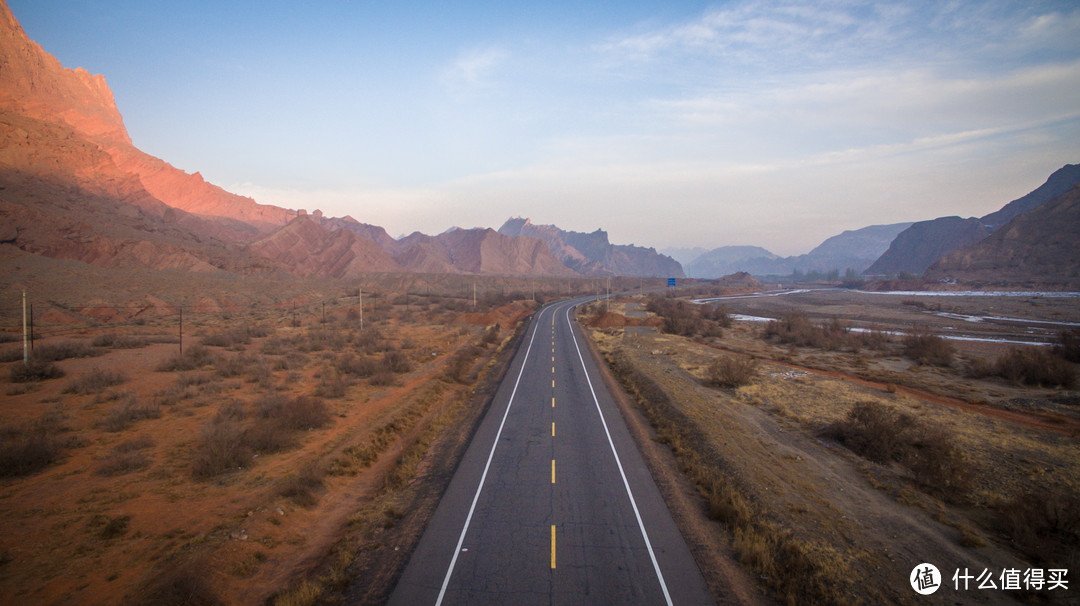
(592, 254)
(74, 187)
(1038, 248)
(921, 245)
(853, 249)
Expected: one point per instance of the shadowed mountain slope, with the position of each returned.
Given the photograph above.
(918, 247)
(1038, 248)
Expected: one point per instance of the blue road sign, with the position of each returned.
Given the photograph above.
(671, 282)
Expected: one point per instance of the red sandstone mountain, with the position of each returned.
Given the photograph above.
(335, 248)
(592, 254)
(33, 84)
(309, 249)
(73, 187)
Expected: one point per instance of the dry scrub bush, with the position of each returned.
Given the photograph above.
(357, 366)
(27, 452)
(234, 338)
(796, 329)
(119, 463)
(278, 418)
(729, 371)
(1068, 345)
(1034, 366)
(221, 447)
(460, 363)
(115, 341)
(194, 357)
(31, 446)
(54, 352)
(301, 487)
(128, 411)
(126, 457)
(1044, 525)
(34, 370)
(302, 413)
(689, 319)
(180, 584)
(926, 348)
(396, 362)
(884, 435)
(331, 385)
(95, 381)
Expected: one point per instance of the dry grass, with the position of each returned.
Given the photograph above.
(796, 572)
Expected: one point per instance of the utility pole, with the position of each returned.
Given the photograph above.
(474, 293)
(25, 351)
(360, 294)
(181, 330)
(31, 327)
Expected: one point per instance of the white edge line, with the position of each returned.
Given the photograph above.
(618, 463)
(483, 476)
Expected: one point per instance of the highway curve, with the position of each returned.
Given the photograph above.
(552, 503)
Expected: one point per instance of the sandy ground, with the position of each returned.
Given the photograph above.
(72, 535)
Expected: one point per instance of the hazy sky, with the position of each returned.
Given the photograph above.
(668, 124)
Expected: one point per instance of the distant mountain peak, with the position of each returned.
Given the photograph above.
(592, 253)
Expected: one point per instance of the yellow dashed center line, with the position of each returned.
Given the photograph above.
(553, 430)
(553, 547)
(553, 402)
(553, 471)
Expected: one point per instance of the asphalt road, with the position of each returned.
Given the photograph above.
(552, 503)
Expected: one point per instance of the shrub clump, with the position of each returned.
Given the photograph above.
(31, 447)
(221, 447)
(301, 487)
(729, 371)
(1068, 345)
(128, 411)
(1043, 525)
(35, 369)
(1034, 366)
(54, 352)
(926, 348)
(884, 435)
(689, 319)
(194, 357)
(95, 381)
(794, 328)
(115, 341)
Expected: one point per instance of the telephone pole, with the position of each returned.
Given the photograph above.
(25, 350)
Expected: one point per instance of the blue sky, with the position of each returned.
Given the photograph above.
(669, 124)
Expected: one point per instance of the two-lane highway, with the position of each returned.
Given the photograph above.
(552, 503)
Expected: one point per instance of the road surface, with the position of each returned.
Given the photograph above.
(552, 503)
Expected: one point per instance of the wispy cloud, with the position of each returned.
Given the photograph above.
(474, 68)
